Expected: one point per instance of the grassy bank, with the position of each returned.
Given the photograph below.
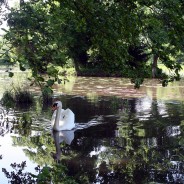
(169, 72)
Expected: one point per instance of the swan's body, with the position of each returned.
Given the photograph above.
(62, 119)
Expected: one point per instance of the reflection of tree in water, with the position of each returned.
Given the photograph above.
(85, 109)
(5, 123)
(23, 126)
(132, 150)
(134, 159)
(39, 148)
(134, 155)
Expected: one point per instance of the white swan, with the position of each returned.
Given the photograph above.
(62, 119)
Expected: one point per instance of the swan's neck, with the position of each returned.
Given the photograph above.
(58, 115)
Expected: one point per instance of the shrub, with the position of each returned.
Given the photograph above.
(22, 96)
(8, 99)
(17, 96)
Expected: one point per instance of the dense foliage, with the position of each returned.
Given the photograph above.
(106, 38)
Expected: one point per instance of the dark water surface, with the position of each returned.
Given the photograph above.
(122, 135)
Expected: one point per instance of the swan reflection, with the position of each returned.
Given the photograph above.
(65, 136)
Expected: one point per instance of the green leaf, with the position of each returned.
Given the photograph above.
(47, 90)
(50, 82)
(11, 74)
(59, 81)
(4, 30)
(52, 71)
(41, 79)
(22, 68)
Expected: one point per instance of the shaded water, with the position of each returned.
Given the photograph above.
(122, 135)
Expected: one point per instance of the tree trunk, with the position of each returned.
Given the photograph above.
(154, 66)
(77, 68)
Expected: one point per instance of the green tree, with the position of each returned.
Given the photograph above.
(116, 37)
(162, 25)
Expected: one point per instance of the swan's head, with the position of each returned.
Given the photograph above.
(56, 105)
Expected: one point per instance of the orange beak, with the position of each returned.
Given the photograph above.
(54, 108)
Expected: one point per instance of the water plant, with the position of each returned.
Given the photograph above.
(8, 99)
(24, 124)
(23, 96)
(17, 96)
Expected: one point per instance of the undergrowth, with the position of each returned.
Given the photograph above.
(17, 96)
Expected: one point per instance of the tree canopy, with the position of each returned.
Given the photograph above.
(111, 37)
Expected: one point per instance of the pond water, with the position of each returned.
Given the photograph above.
(122, 134)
